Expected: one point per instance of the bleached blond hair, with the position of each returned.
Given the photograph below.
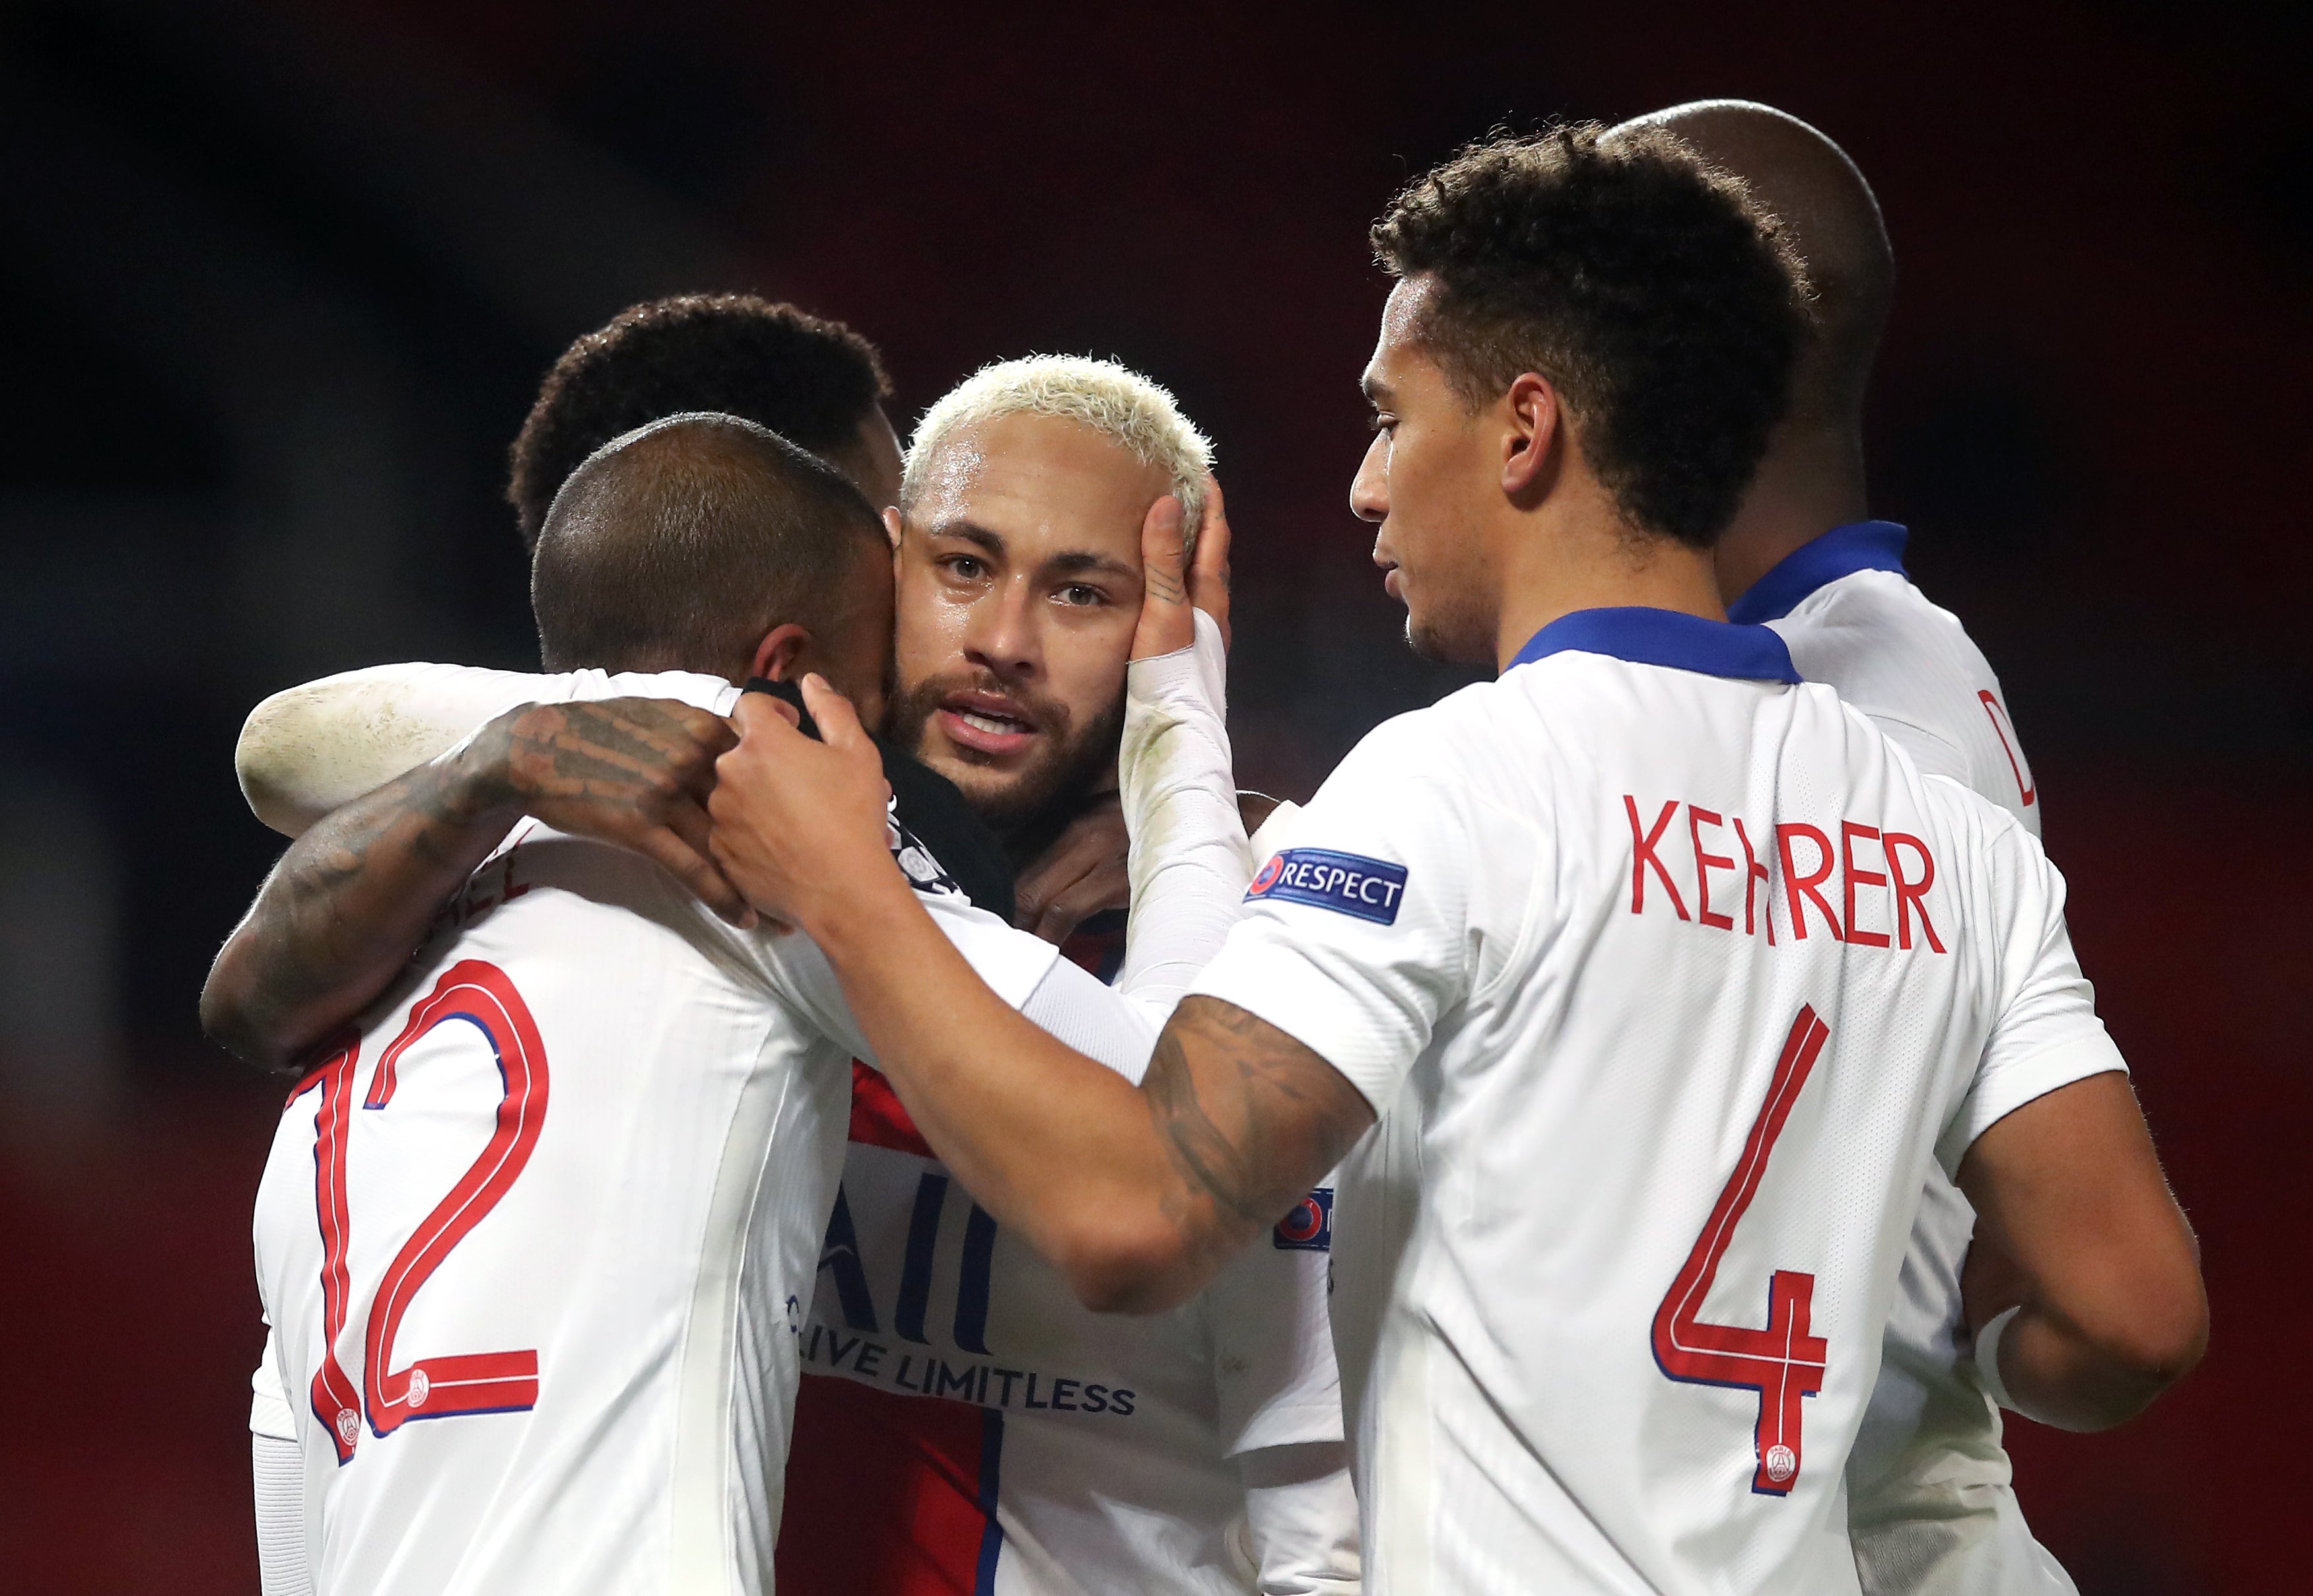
(1133, 411)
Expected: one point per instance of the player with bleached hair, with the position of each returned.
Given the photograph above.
(1198, 1450)
(956, 1396)
(536, 1237)
(1638, 986)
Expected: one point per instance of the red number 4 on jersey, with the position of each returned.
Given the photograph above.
(1781, 1362)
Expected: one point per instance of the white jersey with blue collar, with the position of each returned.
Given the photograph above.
(1668, 976)
(1931, 1505)
(1853, 621)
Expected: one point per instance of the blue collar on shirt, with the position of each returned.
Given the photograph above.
(1857, 546)
(1667, 638)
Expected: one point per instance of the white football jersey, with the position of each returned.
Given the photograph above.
(1000, 1438)
(536, 1245)
(1666, 975)
(1929, 1498)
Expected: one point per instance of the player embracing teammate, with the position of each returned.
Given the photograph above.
(1639, 987)
(1641, 993)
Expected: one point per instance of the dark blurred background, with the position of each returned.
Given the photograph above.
(284, 279)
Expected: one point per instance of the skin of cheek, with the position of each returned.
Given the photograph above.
(1439, 553)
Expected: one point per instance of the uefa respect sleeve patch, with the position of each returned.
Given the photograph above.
(1309, 1228)
(1345, 882)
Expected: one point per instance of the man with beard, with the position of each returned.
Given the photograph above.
(962, 1415)
(574, 1372)
(1594, 1119)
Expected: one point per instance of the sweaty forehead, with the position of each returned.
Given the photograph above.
(1044, 484)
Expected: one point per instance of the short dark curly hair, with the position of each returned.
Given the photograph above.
(809, 380)
(1656, 297)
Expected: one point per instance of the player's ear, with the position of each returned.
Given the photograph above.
(1533, 424)
(891, 528)
(778, 657)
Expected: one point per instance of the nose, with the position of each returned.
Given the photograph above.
(1002, 638)
(1369, 489)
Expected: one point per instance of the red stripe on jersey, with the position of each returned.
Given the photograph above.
(879, 1118)
(888, 1496)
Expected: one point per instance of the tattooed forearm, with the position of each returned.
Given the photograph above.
(1249, 1116)
(350, 902)
(343, 911)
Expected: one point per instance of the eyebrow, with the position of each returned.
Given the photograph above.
(1375, 389)
(971, 532)
(1074, 561)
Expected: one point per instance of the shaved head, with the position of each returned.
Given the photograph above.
(678, 546)
(1829, 216)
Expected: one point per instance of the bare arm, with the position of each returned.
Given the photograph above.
(351, 900)
(2079, 1234)
(1137, 1194)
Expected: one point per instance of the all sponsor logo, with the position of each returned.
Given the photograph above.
(1346, 883)
(1309, 1228)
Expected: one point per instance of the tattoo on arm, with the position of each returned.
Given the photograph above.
(1249, 1116)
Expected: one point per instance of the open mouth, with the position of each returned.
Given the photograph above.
(985, 723)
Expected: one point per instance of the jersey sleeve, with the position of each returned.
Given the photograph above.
(309, 749)
(1356, 938)
(2046, 1033)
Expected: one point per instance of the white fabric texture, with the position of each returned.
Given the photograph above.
(1189, 860)
(1113, 1458)
(1929, 1498)
(585, 932)
(277, 1470)
(1568, 1033)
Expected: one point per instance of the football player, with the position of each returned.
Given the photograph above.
(577, 1216)
(1644, 981)
(1929, 1501)
(1209, 1455)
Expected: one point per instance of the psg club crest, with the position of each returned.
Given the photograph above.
(1309, 1228)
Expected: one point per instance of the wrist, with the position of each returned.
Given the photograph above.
(479, 782)
(1987, 1357)
(855, 912)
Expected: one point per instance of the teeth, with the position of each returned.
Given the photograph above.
(988, 723)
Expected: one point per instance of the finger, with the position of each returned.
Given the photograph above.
(1165, 624)
(1045, 881)
(1209, 578)
(839, 722)
(759, 715)
(750, 705)
(687, 818)
(698, 872)
(1163, 549)
(1095, 892)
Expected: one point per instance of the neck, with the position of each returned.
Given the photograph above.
(1810, 482)
(1609, 568)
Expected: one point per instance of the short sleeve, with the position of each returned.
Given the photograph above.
(2046, 1033)
(1356, 938)
(1274, 1377)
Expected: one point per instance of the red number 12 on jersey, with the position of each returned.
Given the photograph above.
(441, 1386)
(1784, 1362)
